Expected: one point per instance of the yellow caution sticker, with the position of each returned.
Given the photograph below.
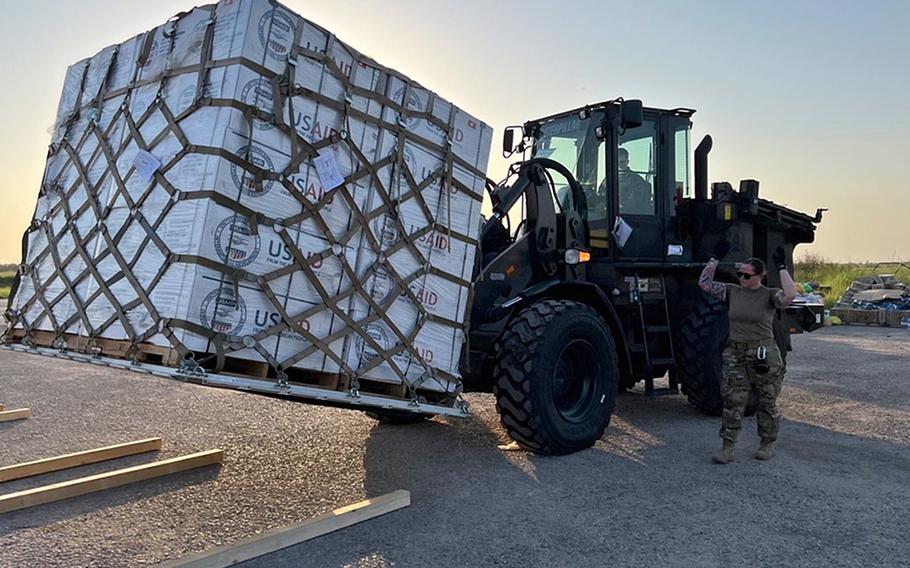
(728, 211)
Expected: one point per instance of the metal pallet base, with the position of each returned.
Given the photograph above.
(351, 398)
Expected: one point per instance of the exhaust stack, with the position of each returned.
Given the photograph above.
(701, 167)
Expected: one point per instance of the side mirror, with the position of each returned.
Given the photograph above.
(508, 139)
(631, 114)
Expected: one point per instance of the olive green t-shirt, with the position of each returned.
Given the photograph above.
(752, 312)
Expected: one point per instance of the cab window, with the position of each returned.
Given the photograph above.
(570, 140)
(681, 148)
(637, 165)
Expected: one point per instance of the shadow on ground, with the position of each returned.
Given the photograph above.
(646, 491)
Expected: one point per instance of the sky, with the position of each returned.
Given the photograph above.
(808, 97)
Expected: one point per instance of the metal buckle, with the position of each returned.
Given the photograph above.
(191, 368)
(762, 353)
(93, 349)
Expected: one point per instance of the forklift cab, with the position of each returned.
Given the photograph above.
(633, 165)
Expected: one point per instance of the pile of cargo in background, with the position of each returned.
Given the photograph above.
(240, 183)
(877, 300)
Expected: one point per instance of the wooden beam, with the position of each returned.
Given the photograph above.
(92, 483)
(47, 465)
(18, 414)
(2, 408)
(284, 537)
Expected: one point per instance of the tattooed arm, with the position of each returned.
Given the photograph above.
(706, 282)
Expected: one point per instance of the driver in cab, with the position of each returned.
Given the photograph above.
(634, 191)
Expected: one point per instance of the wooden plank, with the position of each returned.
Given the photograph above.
(2, 408)
(47, 465)
(18, 414)
(93, 483)
(284, 537)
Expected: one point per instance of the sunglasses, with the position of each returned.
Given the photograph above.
(744, 275)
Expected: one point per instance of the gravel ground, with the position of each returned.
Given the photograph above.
(837, 494)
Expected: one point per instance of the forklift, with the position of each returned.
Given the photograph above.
(586, 282)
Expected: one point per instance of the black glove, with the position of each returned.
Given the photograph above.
(722, 249)
(779, 258)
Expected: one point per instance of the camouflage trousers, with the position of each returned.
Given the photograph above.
(740, 378)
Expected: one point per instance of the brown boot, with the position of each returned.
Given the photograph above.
(725, 455)
(765, 451)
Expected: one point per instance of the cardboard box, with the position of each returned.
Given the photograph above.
(172, 167)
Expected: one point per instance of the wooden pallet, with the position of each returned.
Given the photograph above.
(170, 357)
(884, 318)
(114, 348)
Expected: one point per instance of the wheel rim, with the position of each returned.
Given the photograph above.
(575, 379)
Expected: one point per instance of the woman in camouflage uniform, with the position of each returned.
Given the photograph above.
(751, 359)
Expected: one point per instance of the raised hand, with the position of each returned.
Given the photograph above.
(779, 258)
(722, 249)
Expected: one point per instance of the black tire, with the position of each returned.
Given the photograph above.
(702, 337)
(397, 417)
(543, 347)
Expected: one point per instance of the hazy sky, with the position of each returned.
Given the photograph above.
(810, 98)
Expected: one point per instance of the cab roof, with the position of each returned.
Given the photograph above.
(680, 111)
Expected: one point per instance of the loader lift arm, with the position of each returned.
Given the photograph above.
(551, 230)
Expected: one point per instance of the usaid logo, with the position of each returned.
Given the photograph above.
(258, 93)
(385, 230)
(276, 33)
(420, 172)
(235, 242)
(188, 95)
(413, 104)
(198, 36)
(424, 353)
(427, 297)
(434, 240)
(378, 334)
(223, 311)
(416, 104)
(246, 182)
(381, 286)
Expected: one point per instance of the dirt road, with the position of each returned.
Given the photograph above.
(837, 494)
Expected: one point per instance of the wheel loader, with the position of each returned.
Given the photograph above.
(587, 279)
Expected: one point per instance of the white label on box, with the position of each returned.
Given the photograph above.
(146, 165)
(327, 170)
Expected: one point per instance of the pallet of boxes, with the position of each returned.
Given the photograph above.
(240, 199)
(875, 300)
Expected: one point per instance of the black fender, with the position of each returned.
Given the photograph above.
(585, 293)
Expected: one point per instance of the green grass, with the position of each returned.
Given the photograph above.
(839, 276)
(6, 280)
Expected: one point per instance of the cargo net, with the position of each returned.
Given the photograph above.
(291, 211)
